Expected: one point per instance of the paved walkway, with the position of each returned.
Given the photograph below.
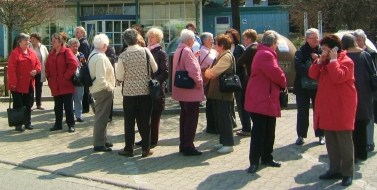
(72, 155)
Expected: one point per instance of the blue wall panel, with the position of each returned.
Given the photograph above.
(1, 40)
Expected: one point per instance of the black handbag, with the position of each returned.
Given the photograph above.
(182, 79)
(283, 98)
(306, 82)
(16, 116)
(154, 85)
(230, 82)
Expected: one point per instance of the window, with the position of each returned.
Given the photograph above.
(87, 10)
(100, 9)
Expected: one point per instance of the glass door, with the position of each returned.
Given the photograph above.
(90, 27)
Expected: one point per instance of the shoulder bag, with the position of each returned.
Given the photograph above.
(306, 82)
(182, 79)
(154, 85)
(16, 116)
(230, 82)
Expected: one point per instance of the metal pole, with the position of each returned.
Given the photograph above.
(320, 24)
(305, 22)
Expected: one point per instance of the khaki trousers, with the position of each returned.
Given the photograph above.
(103, 101)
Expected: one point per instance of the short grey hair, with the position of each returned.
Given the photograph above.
(130, 36)
(348, 41)
(205, 36)
(100, 40)
(360, 33)
(270, 37)
(186, 35)
(311, 31)
(73, 41)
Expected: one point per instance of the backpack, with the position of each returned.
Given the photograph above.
(82, 76)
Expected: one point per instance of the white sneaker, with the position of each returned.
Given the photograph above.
(225, 150)
(218, 146)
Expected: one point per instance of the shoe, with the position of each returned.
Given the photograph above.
(102, 149)
(329, 175)
(347, 181)
(139, 143)
(71, 129)
(54, 128)
(40, 108)
(252, 169)
(125, 153)
(272, 163)
(300, 141)
(109, 144)
(20, 128)
(79, 120)
(243, 133)
(218, 146)
(146, 153)
(321, 140)
(225, 150)
(29, 127)
(191, 152)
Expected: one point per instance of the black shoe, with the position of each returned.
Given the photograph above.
(252, 169)
(29, 127)
(329, 175)
(146, 153)
(109, 144)
(139, 143)
(102, 149)
(20, 128)
(79, 120)
(347, 181)
(125, 153)
(71, 129)
(54, 128)
(191, 152)
(300, 141)
(272, 163)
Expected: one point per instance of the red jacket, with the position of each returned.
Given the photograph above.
(60, 69)
(335, 103)
(265, 82)
(19, 67)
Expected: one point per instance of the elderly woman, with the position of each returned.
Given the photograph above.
(220, 102)
(364, 111)
(189, 99)
(155, 37)
(102, 73)
(61, 65)
(23, 66)
(42, 54)
(207, 54)
(262, 101)
(133, 69)
(335, 107)
(74, 45)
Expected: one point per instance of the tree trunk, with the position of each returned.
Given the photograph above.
(235, 4)
(10, 39)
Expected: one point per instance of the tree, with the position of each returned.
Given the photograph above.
(236, 14)
(22, 15)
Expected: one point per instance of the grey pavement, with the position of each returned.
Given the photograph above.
(70, 154)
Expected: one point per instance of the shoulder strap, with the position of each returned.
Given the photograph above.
(88, 65)
(180, 55)
(148, 62)
(204, 58)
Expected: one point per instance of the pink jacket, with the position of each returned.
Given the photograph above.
(189, 63)
(265, 82)
(336, 100)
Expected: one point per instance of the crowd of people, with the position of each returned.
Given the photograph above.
(332, 73)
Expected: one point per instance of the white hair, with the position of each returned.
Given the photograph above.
(186, 35)
(73, 41)
(100, 40)
(270, 37)
(360, 33)
(311, 31)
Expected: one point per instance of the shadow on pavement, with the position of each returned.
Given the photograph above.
(235, 179)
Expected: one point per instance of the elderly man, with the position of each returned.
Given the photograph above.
(102, 73)
(360, 40)
(303, 59)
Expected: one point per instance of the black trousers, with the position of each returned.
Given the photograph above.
(303, 105)
(86, 100)
(38, 89)
(222, 120)
(27, 100)
(211, 124)
(262, 138)
(65, 101)
(359, 137)
(244, 116)
(139, 108)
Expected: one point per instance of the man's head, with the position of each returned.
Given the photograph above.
(312, 37)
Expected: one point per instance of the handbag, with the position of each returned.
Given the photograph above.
(16, 116)
(283, 98)
(182, 79)
(154, 85)
(230, 82)
(306, 82)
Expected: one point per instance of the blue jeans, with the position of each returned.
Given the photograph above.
(77, 99)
